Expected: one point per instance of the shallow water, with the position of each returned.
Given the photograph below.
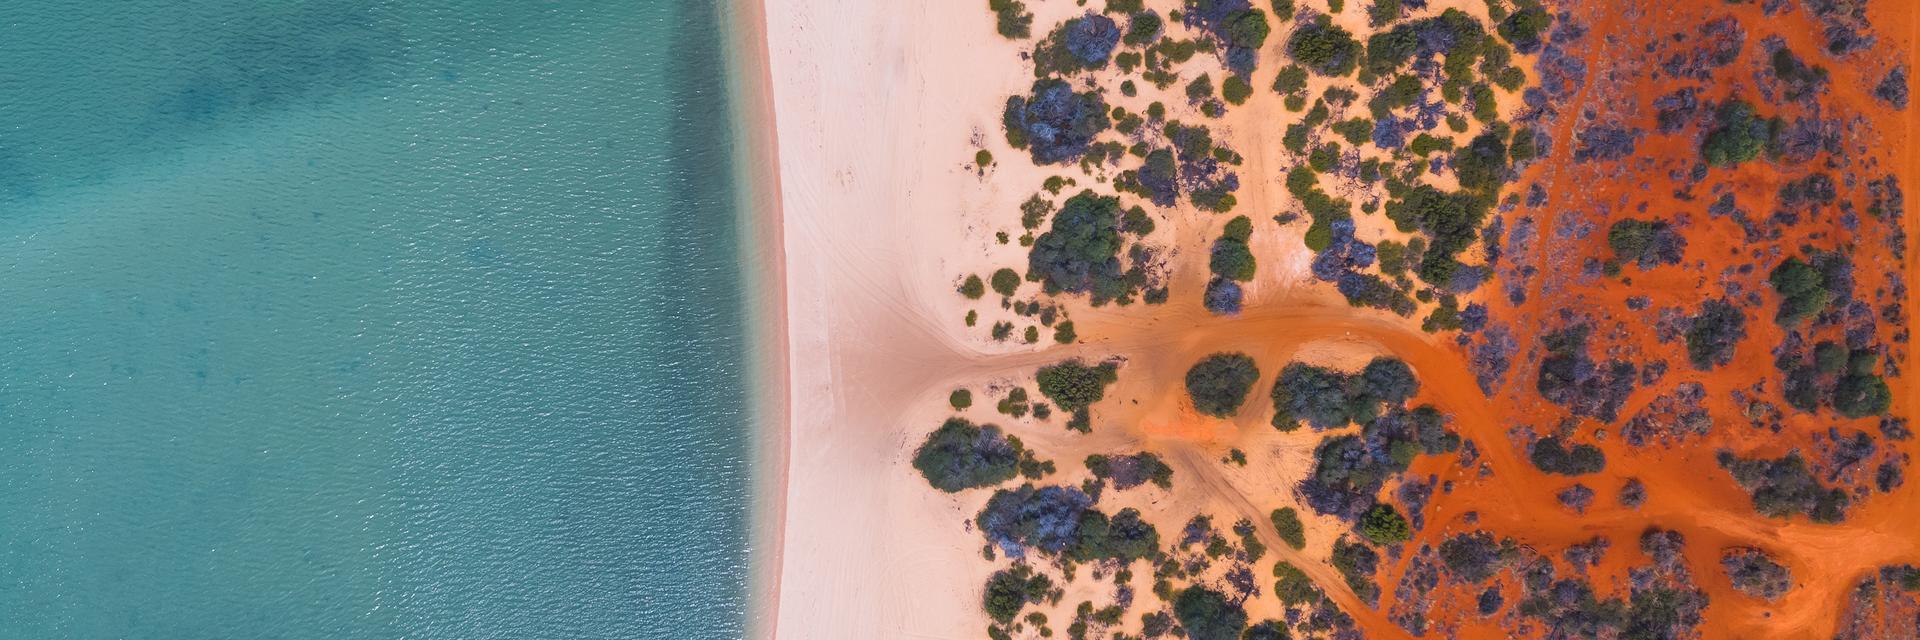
(369, 319)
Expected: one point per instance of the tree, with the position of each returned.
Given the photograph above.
(1073, 385)
(1208, 615)
(1219, 383)
(1235, 90)
(960, 456)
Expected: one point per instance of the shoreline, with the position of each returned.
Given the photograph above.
(757, 192)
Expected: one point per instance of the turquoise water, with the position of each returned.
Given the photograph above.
(369, 319)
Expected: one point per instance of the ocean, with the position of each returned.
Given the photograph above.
(371, 319)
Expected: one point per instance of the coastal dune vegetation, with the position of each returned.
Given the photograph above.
(1515, 343)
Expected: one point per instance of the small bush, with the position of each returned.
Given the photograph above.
(1063, 333)
(1006, 282)
(972, 288)
(960, 399)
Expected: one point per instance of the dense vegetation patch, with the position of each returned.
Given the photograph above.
(1326, 398)
(1081, 44)
(1645, 243)
(1011, 18)
(1357, 562)
(1079, 253)
(1570, 378)
(1475, 557)
(1350, 469)
(1755, 573)
(1219, 383)
(1009, 590)
(1061, 522)
(1785, 486)
(1552, 456)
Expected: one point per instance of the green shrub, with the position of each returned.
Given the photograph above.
(1859, 396)
(1006, 282)
(1011, 18)
(1712, 334)
(1231, 259)
(1551, 456)
(960, 399)
(1075, 386)
(1063, 333)
(1247, 29)
(1219, 383)
(1287, 522)
(1009, 590)
(1384, 525)
(1324, 48)
(1200, 88)
(972, 288)
(1240, 228)
(1208, 615)
(1802, 290)
(1236, 90)
(1291, 80)
(1293, 587)
(1742, 135)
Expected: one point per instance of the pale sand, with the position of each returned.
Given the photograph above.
(876, 102)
